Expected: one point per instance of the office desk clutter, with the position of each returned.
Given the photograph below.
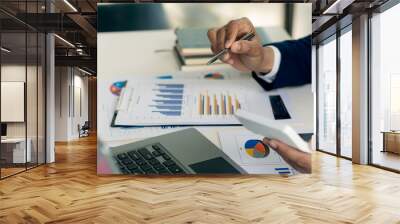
(159, 116)
(205, 100)
(193, 50)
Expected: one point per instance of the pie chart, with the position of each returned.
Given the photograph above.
(215, 75)
(256, 149)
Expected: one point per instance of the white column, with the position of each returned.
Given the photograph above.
(360, 90)
(50, 98)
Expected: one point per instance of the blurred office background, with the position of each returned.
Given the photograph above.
(295, 18)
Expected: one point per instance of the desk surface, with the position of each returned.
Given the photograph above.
(13, 140)
(126, 54)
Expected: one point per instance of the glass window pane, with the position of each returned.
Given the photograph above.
(41, 98)
(31, 97)
(327, 97)
(14, 151)
(385, 87)
(346, 94)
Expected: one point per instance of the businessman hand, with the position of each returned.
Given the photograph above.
(243, 55)
(299, 160)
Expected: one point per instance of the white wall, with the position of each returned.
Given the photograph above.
(70, 83)
(218, 14)
(33, 127)
(302, 21)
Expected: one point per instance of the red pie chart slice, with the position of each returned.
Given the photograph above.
(256, 149)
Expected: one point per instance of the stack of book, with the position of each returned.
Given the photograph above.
(193, 48)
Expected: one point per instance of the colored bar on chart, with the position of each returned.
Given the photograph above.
(230, 106)
(169, 102)
(173, 86)
(177, 91)
(223, 104)
(168, 113)
(237, 104)
(170, 96)
(215, 105)
(167, 107)
(201, 104)
(208, 111)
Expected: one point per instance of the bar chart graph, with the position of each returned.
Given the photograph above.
(184, 102)
(217, 104)
(168, 99)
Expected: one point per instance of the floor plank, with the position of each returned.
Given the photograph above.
(69, 191)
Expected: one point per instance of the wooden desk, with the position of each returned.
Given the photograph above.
(391, 141)
(13, 150)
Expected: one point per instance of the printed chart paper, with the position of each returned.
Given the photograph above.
(188, 102)
(246, 149)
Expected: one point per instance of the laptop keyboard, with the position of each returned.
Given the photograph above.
(148, 160)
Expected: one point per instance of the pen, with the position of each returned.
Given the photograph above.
(248, 36)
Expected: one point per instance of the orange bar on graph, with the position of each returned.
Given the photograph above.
(208, 104)
(230, 105)
(201, 105)
(237, 104)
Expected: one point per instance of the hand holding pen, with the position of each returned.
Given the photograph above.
(234, 44)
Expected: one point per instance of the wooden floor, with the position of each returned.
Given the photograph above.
(69, 191)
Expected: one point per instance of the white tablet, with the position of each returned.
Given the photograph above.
(271, 129)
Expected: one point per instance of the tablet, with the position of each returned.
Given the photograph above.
(271, 129)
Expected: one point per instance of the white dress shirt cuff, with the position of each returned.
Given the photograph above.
(270, 77)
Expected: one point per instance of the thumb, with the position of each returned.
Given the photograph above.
(250, 48)
(271, 143)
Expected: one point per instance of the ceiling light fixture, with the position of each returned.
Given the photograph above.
(65, 41)
(70, 5)
(84, 71)
(337, 7)
(5, 50)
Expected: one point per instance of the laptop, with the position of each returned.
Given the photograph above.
(178, 153)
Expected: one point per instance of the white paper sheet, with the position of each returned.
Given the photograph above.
(188, 102)
(234, 145)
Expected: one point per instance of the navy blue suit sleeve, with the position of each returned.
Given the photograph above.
(295, 66)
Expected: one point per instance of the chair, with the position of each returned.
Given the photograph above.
(84, 130)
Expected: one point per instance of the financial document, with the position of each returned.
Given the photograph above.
(247, 150)
(188, 102)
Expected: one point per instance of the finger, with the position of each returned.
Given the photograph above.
(250, 48)
(300, 160)
(231, 33)
(225, 57)
(221, 39)
(212, 36)
(235, 62)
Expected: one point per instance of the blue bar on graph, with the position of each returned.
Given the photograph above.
(168, 113)
(173, 86)
(167, 107)
(170, 102)
(202, 104)
(170, 96)
(283, 168)
(170, 90)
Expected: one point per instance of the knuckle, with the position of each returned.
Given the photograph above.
(232, 23)
(245, 19)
